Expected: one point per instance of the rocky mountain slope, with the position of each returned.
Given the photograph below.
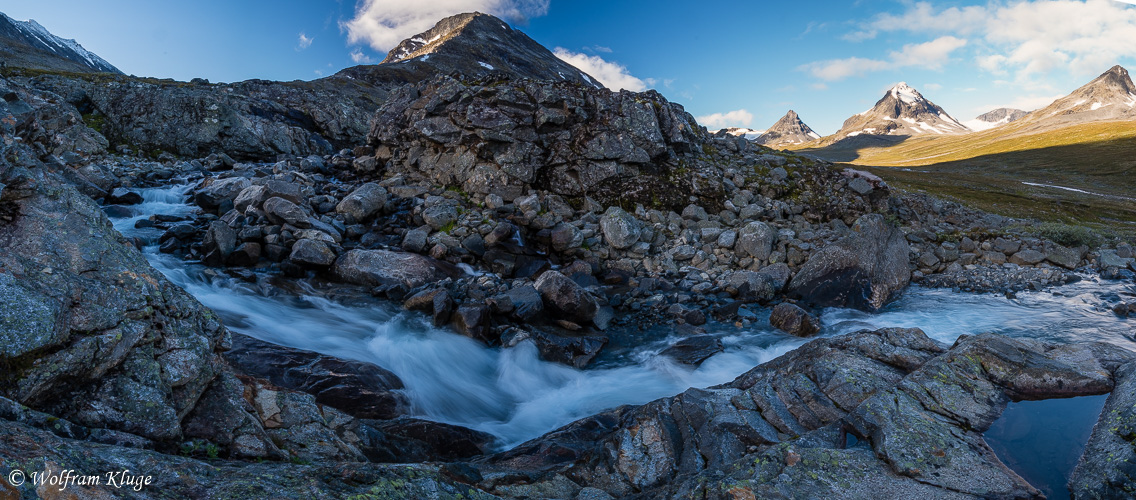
(789, 130)
(28, 44)
(1109, 97)
(995, 118)
(902, 112)
(477, 44)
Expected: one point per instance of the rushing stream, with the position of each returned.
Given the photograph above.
(514, 395)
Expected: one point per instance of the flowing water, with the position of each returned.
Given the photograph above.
(515, 396)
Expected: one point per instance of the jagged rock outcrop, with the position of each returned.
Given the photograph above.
(995, 118)
(503, 138)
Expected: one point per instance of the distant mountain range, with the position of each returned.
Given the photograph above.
(996, 118)
(28, 44)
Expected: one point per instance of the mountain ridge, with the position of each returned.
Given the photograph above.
(30, 44)
(789, 130)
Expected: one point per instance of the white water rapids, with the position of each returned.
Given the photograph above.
(515, 396)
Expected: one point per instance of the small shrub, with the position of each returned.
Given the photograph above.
(1068, 235)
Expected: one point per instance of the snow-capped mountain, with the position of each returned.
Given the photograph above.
(996, 118)
(28, 43)
(1110, 97)
(748, 133)
(477, 44)
(902, 111)
(789, 130)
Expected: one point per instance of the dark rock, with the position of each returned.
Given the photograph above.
(378, 267)
(354, 387)
(694, 350)
(1027, 257)
(364, 202)
(312, 253)
(564, 298)
(123, 196)
(569, 349)
(217, 191)
(472, 321)
(864, 270)
(281, 211)
(245, 255)
(525, 302)
(415, 240)
(793, 320)
(751, 286)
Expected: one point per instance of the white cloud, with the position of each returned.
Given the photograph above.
(737, 118)
(612, 75)
(930, 55)
(382, 24)
(933, 86)
(839, 69)
(304, 42)
(359, 57)
(1026, 38)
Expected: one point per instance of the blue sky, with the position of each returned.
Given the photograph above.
(732, 63)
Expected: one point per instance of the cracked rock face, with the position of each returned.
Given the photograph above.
(100, 337)
(889, 412)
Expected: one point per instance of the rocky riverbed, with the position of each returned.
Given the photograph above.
(528, 289)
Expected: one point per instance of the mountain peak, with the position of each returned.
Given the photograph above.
(789, 130)
(476, 44)
(905, 93)
(1111, 96)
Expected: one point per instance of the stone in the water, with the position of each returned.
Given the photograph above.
(694, 350)
(793, 320)
(565, 298)
(123, 196)
(382, 267)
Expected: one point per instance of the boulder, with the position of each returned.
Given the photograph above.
(694, 350)
(281, 211)
(864, 270)
(564, 298)
(359, 389)
(384, 267)
(1069, 258)
(312, 253)
(751, 286)
(364, 202)
(620, 229)
(440, 216)
(566, 237)
(252, 196)
(791, 319)
(572, 349)
(215, 191)
(123, 196)
(1027, 257)
(472, 320)
(756, 240)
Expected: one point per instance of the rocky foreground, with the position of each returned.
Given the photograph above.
(582, 211)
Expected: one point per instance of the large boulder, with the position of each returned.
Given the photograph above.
(359, 389)
(215, 192)
(620, 229)
(363, 202)
(281, 211)
(756, 240)
(864, 270)
(384, 267)
(791, 319)
(566, 299)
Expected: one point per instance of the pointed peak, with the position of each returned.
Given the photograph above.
(905, 93)
(1117, 70)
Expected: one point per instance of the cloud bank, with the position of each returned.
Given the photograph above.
(612, 75)
(1023, 39)
(382, 24)
(716, 121)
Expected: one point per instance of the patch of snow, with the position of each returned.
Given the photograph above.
(814, 135)
(1096, 106)
(486, 65)
(418, 40)
(425, 57)
(910, 120)
(905, 93)
(1082, 101)
(854, 134)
